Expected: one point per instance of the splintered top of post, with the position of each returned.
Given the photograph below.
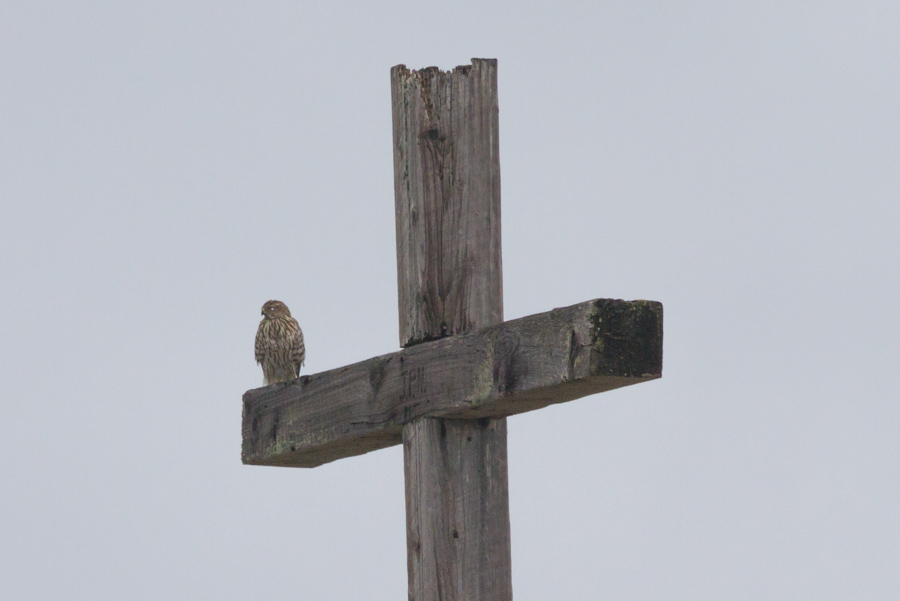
(501, 370)
(430, 71)
(447, 200)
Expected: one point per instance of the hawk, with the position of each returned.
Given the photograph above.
(279, 343)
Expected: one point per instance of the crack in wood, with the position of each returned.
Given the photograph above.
(502, 370)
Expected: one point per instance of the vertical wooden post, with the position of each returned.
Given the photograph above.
(447, 192)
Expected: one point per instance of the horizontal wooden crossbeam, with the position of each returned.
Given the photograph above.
(510, 368)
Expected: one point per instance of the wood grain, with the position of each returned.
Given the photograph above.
(447, 200)
(502, 370)
(447, 191)
(458, 536)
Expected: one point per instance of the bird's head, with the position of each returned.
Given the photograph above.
(274, 308)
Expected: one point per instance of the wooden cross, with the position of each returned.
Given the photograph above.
(462, 369)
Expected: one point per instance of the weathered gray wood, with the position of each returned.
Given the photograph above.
(447, 192)
(447, 200)
(447, 395)
(461, 521)
(502, 370)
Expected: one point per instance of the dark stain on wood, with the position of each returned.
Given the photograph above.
(628, 338)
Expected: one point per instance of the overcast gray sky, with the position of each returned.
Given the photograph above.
(166, 167)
